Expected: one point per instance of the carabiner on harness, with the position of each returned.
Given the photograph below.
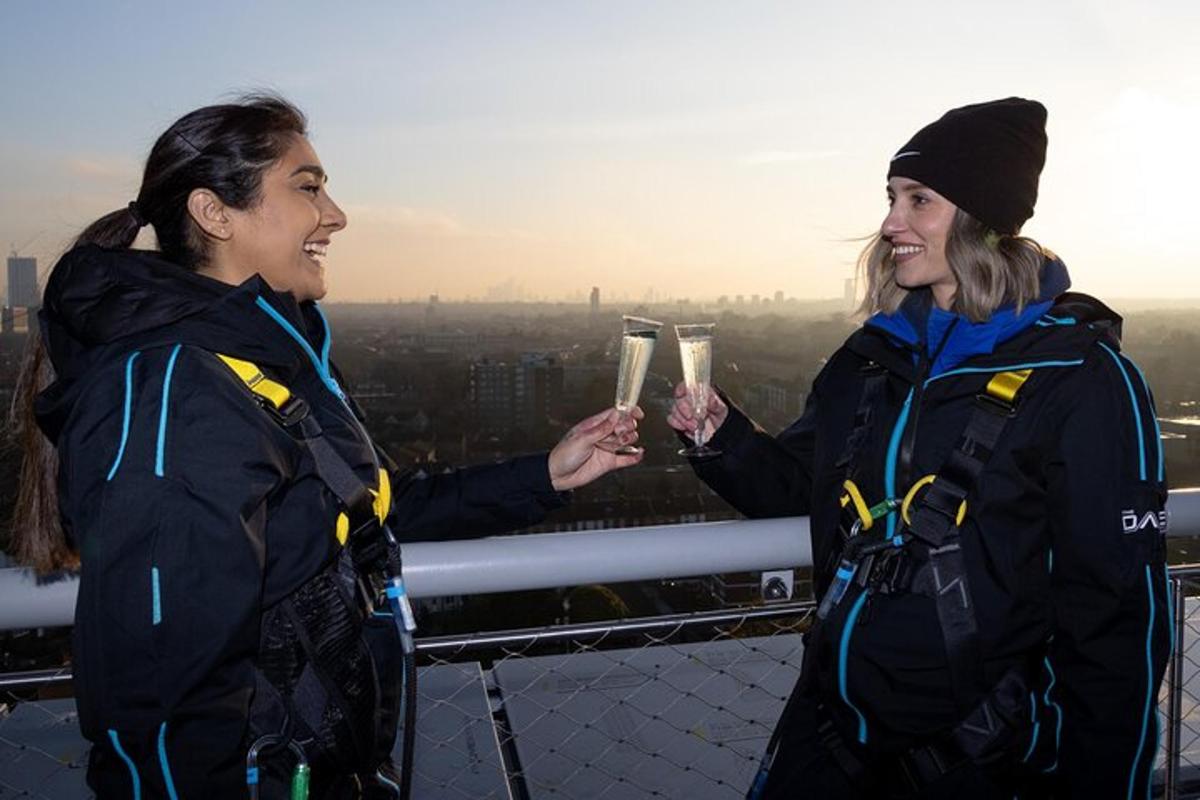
(866, 514)
(300, 774)
(856, 547)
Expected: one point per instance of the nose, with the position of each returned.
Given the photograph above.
(893, 223)
(332, 216)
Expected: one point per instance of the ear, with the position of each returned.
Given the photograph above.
(207, 211)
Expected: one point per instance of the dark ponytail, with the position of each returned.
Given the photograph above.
(113, 231)
(223, 148)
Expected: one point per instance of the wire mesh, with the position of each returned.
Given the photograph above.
(1179, 698)
(674, 707)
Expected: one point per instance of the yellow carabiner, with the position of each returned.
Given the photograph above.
(912, 492)
(860, 505)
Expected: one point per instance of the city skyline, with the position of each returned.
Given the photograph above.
(715, 151)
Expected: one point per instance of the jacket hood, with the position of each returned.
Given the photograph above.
(926, 328)
(101, 302)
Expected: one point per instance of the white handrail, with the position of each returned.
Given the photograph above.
(548, 560)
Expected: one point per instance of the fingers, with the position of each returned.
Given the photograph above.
(596, 420)
(618, 438)
(681, 389)
(681, 416)
(677, 420)
(592, 430)
(621, 462)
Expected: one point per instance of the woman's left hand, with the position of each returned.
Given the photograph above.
(585, 453)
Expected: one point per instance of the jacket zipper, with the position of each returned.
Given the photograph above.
(924, 367)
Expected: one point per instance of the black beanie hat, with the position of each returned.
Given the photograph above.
(984, 158)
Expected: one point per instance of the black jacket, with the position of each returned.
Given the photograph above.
(195, 513)
(1063, 537)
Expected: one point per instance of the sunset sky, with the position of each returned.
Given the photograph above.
(696, 149)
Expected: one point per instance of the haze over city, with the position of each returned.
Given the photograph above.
(532, 150)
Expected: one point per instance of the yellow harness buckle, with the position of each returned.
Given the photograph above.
(1003, 387)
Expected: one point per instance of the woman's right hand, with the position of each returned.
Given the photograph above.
(683, 419)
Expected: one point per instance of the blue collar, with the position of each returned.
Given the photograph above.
(922, 326)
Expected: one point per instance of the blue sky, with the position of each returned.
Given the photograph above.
(696, 148)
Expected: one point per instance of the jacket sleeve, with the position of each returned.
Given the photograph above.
(172, 575)
(1111, 607)
(474, 501)
(762, 475)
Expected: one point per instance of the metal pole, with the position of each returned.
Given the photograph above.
(1175, 696)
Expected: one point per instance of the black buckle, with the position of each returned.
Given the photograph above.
(925, 765)
(893, 572)
(294, 410)
(996, 405)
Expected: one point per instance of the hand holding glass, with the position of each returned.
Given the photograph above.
(637, 345)
(695, 353)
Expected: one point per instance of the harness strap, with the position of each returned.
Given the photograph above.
(274, 393)
(935, 524)
(856, 514)
(875, 377)
(362, 505)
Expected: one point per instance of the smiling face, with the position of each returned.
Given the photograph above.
(917, 226)
(285, 236)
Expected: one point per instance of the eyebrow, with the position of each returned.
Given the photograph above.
(909, 185)
(313, 169)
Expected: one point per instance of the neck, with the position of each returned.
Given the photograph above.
(223, 270)
(943, 296)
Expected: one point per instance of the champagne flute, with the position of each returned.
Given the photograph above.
(695, 352)
(637, 345)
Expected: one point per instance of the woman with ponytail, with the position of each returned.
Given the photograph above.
(190, 447)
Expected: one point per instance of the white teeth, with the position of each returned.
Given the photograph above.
(906, 249)
(312, 248)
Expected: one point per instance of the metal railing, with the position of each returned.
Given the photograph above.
(550, 560)
(666, 706)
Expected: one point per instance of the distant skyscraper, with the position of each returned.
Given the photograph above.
(22, 282)
(595, 302)
(850, 291)
(431, 312)
(778, 295)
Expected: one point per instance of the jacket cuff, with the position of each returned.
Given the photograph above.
(734, 431)
(533, 475)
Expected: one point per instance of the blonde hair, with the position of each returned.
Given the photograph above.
(990, 269)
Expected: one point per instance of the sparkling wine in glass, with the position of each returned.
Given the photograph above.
(637, 345)
(695, 353)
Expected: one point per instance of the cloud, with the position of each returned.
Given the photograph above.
(408, 219)
(101, 168)
(766, 157)
(429, 224)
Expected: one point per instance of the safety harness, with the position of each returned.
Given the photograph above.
(305, 616)
(925, 556)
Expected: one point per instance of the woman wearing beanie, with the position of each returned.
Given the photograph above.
(984, 481)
